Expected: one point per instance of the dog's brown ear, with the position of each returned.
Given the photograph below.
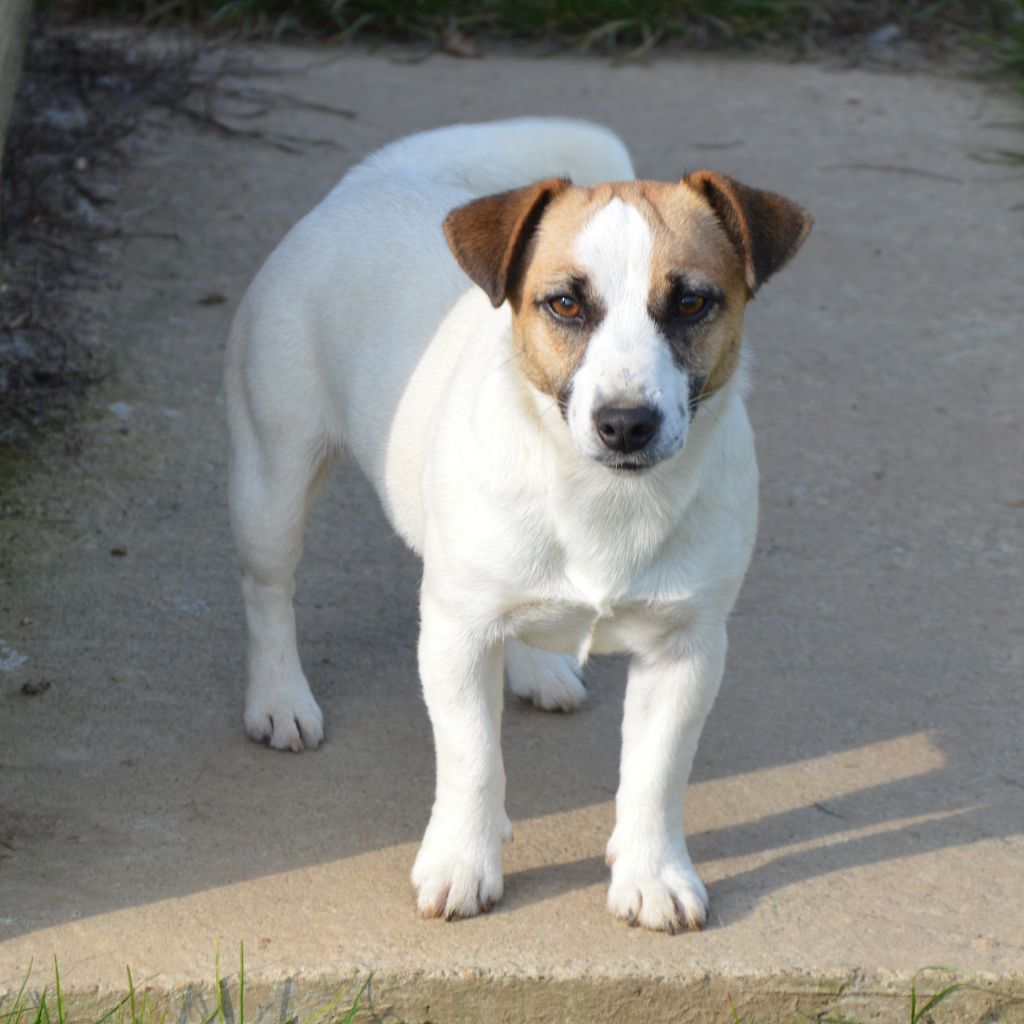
(766, 228)
(490, 236)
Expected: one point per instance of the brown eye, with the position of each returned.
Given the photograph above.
(564, 306)
(692, 305)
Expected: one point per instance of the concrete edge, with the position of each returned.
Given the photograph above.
(415, 998)
(13, 27)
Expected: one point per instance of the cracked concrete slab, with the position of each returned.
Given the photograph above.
(858, 804)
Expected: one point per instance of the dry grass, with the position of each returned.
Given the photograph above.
(789, 26)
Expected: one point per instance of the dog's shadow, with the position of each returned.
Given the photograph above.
(889, 779)
(863, 828)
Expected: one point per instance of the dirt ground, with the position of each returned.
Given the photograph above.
(858, 804)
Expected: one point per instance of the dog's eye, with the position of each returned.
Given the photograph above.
(691, 306)
(565, 306)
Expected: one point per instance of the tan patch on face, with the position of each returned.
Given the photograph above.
(688, 244)
(549, 351)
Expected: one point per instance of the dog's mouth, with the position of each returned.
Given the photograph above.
(636, 465)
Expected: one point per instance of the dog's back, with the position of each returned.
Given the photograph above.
(375, 244)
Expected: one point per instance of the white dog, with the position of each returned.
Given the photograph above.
(560, 435)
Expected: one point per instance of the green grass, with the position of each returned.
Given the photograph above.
(137, 1007)
(790, 25)
(919, 1010)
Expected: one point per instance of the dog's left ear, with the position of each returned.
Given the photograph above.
(766, 228)
(490, 236)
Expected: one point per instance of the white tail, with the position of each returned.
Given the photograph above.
(499, 155)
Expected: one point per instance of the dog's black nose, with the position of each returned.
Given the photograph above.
(626, 430)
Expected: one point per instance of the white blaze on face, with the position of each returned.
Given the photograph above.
(628, 362)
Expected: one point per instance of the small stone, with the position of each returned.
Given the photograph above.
(34, 689)
(119, 552)
(885, 36)
(122, 410)
(68, 116)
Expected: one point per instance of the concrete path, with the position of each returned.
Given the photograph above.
(858, 806)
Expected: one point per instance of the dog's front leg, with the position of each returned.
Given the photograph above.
(458, 868)
(668, 697)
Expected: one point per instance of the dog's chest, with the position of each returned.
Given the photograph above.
(620, 589)
(577, 624)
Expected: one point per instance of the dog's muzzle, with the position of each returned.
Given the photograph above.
(626, 430)
(626, 435)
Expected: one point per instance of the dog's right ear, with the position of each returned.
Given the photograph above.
(766, 229)
(490, 236)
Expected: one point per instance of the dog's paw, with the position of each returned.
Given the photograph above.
(550, 681)
(455, 878)
(284, 719)
(669, 897)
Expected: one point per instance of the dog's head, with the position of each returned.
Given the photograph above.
(627, 299)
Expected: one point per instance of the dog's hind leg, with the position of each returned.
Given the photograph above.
(550, 681)
(273, 483)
